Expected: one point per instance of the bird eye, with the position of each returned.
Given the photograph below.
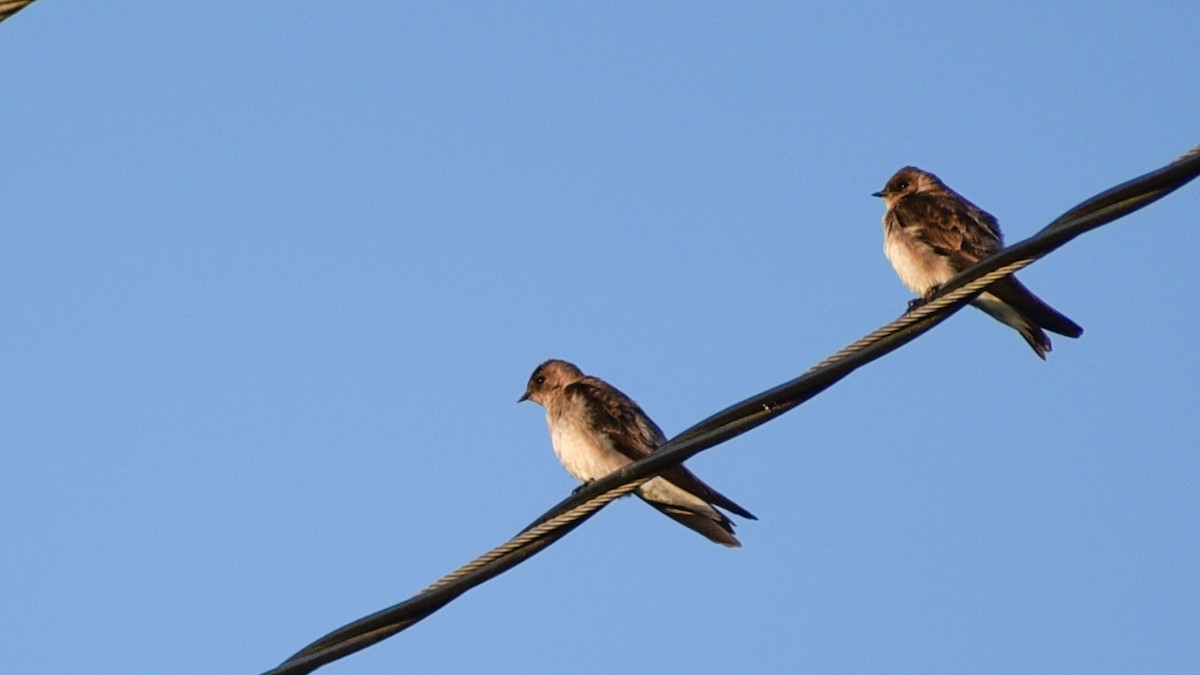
(541, 379)
(902, 185)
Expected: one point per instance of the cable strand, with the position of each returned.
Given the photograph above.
(746, 415)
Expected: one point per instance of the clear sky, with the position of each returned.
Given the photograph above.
(273, 277)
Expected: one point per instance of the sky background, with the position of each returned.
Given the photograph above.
(273, 277)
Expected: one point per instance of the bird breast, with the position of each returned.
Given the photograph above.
(917, 265)
(585, 454)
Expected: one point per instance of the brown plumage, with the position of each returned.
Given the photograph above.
(595, 430)
(932, 233)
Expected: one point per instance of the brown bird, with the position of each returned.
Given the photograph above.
(595, 430)
(931, 233)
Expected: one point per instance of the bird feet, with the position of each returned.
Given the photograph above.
(917, 302)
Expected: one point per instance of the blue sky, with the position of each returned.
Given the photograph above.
(273, 279)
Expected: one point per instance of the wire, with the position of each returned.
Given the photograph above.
(10, 7)
(746, 415)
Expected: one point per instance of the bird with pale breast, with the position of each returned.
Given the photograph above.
(931, 233)
(595, 430)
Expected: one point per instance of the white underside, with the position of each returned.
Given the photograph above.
(1001, 311)
(584, 455)
(918, 267)
(921, 269)
(588, 456)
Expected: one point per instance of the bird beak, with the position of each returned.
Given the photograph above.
(878, 194)
(524, 397)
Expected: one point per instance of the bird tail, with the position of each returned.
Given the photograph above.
(714, 497)
(682, 478)
(1004, 313)
(715, 526)
(1013, 292)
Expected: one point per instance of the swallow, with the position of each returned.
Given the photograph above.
(595, 430)
(931, 233)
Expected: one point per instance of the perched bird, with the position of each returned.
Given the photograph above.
(596, 429)
(931, 233)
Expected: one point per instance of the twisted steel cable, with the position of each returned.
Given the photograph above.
(746, 415)
(10, 7)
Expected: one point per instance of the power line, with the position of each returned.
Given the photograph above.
(746, 415)
(10, 7)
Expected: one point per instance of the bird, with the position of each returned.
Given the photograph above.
(596, 429)
(931, 233)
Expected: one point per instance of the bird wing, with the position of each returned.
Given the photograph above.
(955, 229)
(1014, 293)
(635, 435)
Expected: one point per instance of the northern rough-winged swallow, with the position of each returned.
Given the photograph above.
(596, 429)
(931, 233)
